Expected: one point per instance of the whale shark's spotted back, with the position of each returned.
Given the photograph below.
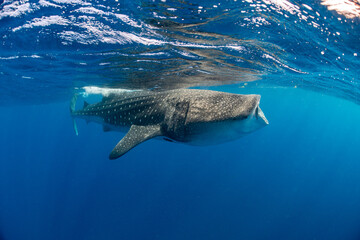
(139, 108)
(184, 115)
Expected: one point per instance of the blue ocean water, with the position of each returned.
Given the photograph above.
(297, 178)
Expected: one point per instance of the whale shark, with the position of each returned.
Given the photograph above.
(190, 116)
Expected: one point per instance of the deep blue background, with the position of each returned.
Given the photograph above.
(298, 178)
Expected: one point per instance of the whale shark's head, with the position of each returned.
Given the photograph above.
(223, 118)
(254, 120)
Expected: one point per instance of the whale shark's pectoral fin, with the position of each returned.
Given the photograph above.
(135, 136)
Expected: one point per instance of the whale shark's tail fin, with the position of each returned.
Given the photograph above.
(72, 110)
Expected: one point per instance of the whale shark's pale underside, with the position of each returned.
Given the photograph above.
(196, 117)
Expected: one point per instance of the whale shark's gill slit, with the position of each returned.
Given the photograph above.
(168, 139)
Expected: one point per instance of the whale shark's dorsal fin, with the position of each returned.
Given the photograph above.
(136, 135)
(85, 104)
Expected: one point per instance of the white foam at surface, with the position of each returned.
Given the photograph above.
(155, 54)
(345, 7)
(16, 57)
(9, 58)
(45, 3)
(71, 36)
(32, 56)
(96, 32)
(184, 53)
(72, 2)
(43, 22)
(15, 9)
(194, 45)
(145, 60)
(99, 33)
(93, 31)
(307, 6)
(235, 47)
(124, 18)
(127, 20)
(141, 40)
(283, 4)
(91, 10)
(283, 64)
(260, 21)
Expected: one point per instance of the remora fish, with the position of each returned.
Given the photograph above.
(196, 117)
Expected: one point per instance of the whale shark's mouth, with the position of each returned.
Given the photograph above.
(260, 115)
